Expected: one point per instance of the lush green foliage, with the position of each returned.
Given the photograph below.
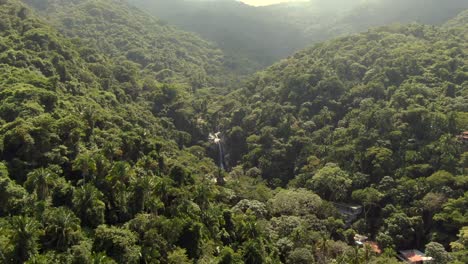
(104, 152)
(255, 37)
(137, 42)
(371, 118)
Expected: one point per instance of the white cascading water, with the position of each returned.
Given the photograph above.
(215, 138)
(221, 156)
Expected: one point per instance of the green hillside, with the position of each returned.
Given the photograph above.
(329, 87)
(105, 154)
(151, 51)
(125, 33)
(79, 150)
(256, 37)
(369, 119)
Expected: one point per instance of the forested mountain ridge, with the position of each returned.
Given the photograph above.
(333, 78)
(255, 37)
(127, 34)
(251, 37)
(146, 50)
(458, 22)
(78, 150)
(371, 118)
(104, 161)
(385, 12)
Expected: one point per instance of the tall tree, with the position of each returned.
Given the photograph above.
(61, 228)
(438, 252)
(26, 232)
(40, 180)
(88, 205)
(368, 197)
(331, 182)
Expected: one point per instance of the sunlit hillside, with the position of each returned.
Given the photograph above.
(292, 133)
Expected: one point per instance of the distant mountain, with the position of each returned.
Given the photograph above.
(459, 21)
(384, 12)
(251, 36)
(255, 37)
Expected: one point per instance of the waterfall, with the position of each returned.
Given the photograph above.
(215, 139)
(221, 156)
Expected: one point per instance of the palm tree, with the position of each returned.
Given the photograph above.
(25, 237)
(85, 163)
(203, 195)
(163, 189)
(88, 205)
(322, 247)
(62, 227)
(250, 229)
(40, 180)
(117, 180)
(143, 189)
(119, 174)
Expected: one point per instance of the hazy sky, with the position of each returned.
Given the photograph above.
(268, 2)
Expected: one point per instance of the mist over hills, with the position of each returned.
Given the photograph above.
(125, 139)
(262, 35)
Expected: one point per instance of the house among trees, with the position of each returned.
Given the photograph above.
(349, 212)
(413, 256)
(464, 137)
(361, 240)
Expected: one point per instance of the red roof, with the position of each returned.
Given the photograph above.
(415, 258)
(375, 247)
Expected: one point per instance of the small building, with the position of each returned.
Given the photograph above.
(349, 212)
(361, 240)
(464, 137)
(413, 256)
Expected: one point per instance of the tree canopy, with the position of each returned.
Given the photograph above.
(105, 151)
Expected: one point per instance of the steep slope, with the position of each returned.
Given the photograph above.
(78, 151)
(384, 12)
(88, 173)
(125, 33)
(93, 168)
(144, 47)
(459, 22)
(325, 88)
(255, 37)
(252, 37)
(61, 98)
(385, 107)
